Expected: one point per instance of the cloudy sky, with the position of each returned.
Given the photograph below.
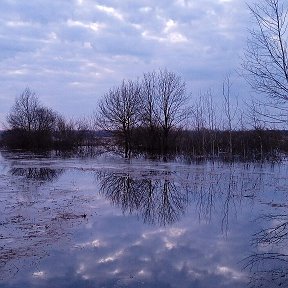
(72, 51)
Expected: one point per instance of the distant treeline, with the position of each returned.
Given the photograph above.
(151, 116)
(207, 144)
(194, 145)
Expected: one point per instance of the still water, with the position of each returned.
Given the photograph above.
(109, 222)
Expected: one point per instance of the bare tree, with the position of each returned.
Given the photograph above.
(199, 124)
(211, 119)
(156, 106)
(29, 115)
(254, 113)
(119, 112)
(150, 128)
(23, 113)
(266, 56)
(31, 124)
(148, 98)
(168, 107)
(45, 119)
(171, 101)
(229, 110)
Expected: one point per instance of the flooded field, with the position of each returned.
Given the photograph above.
(109, 222)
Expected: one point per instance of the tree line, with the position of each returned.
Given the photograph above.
(152, 116)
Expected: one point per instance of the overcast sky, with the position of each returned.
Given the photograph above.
(70, 52)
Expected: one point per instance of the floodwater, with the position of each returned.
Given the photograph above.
(109, 222)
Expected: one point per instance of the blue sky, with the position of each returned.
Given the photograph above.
(70, 52)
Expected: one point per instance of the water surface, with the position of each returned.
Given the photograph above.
(109, 222)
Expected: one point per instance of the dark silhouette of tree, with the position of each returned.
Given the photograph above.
(23, 113)
(119, 112)
(150, 128)
(31, 124)
(70, 135)
(229, 110)
(34, 126)
(45, 119)
(170, 104)
(145, 113)
(266, 56)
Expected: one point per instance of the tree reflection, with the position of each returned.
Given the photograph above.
(162, 197)
(220, 194)
(157, 200)
(37, 174)
(269, 264)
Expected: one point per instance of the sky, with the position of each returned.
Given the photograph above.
(70, 52)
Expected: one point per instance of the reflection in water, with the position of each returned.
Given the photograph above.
(33, 219)
(162, 197)
(109, 250)
(269, 264)
(268, 261)
(37, 174)
(32, 236)
(156, 200)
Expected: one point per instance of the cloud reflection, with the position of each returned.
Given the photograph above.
(180, 244)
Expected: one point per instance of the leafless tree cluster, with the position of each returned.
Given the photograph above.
(29, 115)
(165, 98)
(34, 126)
(152, 115)
(150, 108)
(219, 128)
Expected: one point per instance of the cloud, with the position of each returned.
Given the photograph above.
(110, 11)
(71, 52)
